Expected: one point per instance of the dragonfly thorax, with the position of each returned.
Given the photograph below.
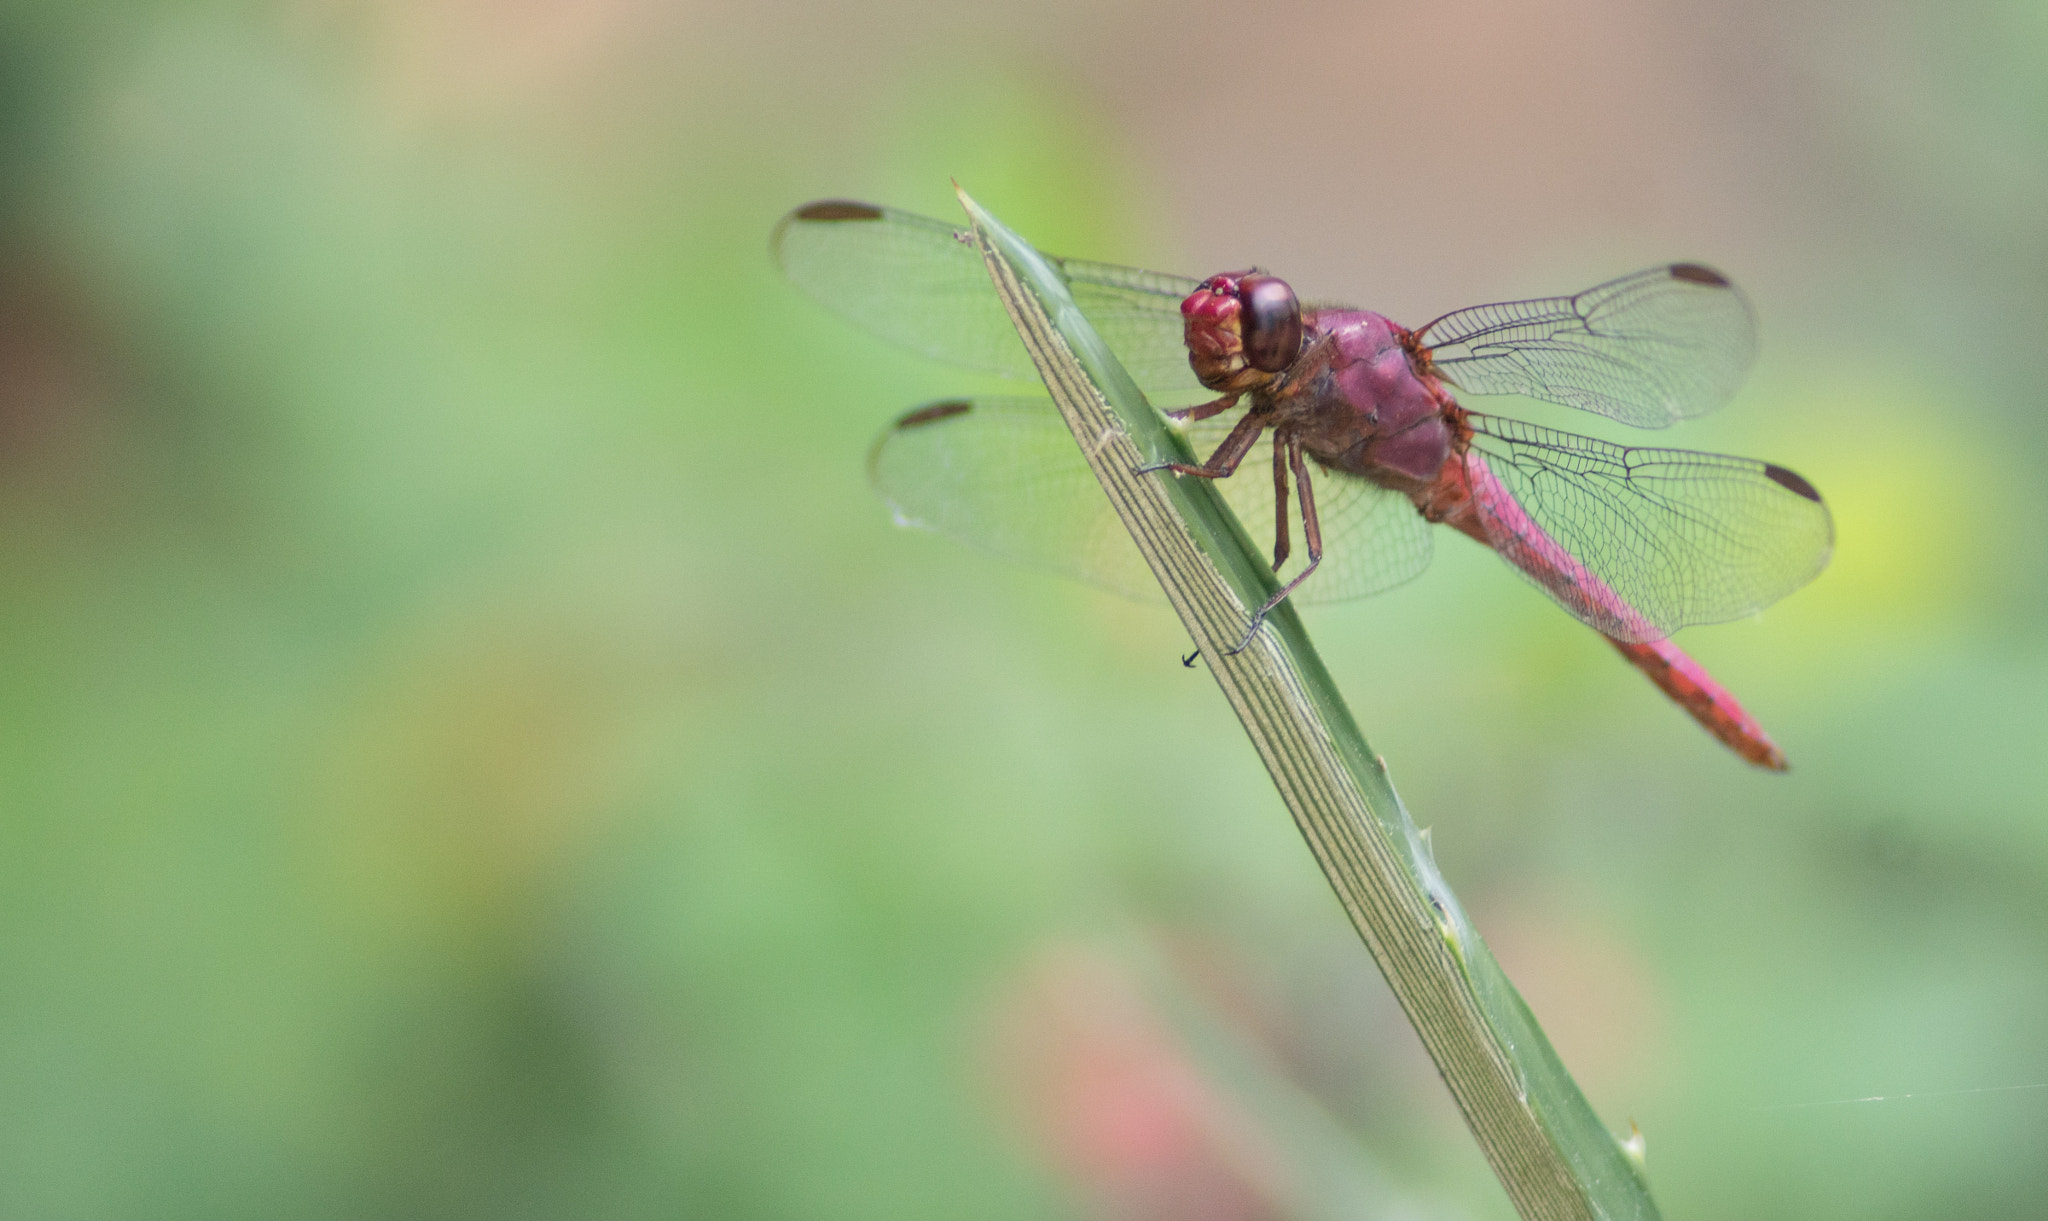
(1366, 408)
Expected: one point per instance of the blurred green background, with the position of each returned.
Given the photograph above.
(471, 745)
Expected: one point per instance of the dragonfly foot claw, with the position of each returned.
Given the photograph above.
(1258, 621)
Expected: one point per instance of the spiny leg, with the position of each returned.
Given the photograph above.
(1311, 526)
(1224, 461)
(1280, 544)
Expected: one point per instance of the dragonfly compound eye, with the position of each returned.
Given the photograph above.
(1271, 319)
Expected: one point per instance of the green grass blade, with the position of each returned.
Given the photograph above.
(1551, 1152)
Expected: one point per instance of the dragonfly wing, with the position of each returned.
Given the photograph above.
(917, 282)
(1648, 349)
(1004, 475)
(1138, 313)
(1639, 542)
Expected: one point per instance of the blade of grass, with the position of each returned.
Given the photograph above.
(1551, 1152)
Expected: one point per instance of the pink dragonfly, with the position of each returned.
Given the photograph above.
(1634, 542)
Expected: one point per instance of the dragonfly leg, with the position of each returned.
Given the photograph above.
(1188, 415)
(1223, 463)
(1311, 527)
(1280, 543)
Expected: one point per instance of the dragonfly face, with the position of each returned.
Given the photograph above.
(1360, 420)
(1241, 328)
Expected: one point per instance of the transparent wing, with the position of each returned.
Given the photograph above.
(913, 281)
(1648, 349)
(1004, 475)
(1639, 542)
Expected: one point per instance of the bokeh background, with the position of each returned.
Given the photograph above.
(471, 745)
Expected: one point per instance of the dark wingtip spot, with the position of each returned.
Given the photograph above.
(1791, 481)
(933, 412)
(1693, 273)
(838, 209)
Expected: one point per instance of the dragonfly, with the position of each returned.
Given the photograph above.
(1361, 422)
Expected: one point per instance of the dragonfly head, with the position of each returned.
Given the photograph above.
(1243, 329)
